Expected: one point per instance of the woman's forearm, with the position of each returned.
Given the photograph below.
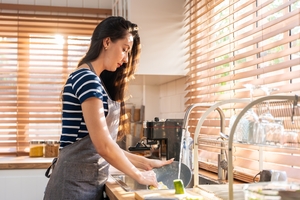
(138, 161)
(145, 163)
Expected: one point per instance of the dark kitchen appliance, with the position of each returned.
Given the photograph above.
(167, 135)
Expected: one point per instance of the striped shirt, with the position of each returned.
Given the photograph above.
(81, 85)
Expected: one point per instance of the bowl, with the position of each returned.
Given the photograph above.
(168, 173)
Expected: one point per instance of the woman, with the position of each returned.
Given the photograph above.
(93, 97)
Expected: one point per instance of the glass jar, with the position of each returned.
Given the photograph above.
(36, 148)
(51, 148)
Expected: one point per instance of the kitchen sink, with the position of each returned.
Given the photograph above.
(129, 184)
(207, 181)
(204, 180)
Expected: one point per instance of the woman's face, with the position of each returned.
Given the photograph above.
(117, 52)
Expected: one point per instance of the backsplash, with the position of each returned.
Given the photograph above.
(172, 99)
(165, 101)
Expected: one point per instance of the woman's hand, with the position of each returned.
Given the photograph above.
(148, 178)
(154, 163)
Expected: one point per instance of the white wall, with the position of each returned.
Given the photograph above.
(172, 99)
(147, 95)
(165, 101)
(161, 28)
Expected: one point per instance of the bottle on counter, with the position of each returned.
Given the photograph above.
(187, 151)
(36, 148)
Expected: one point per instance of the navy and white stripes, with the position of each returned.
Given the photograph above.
(81, 85)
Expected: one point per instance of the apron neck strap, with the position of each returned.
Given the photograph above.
(91, 67)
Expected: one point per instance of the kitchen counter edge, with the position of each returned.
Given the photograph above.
(24, 162)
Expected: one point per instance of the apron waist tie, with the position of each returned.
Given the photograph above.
(47, 173)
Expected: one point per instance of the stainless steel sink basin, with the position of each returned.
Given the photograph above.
(129, 184)
(207, 181)
(204, 180)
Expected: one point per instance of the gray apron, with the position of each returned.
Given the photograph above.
(80, 172)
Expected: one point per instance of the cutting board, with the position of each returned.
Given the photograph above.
(168, 194)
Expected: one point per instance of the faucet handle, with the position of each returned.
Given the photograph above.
(224, 136)
(224, 164)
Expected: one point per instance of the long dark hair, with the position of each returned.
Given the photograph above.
(115, 82)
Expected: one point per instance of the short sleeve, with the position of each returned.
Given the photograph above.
(86, 84)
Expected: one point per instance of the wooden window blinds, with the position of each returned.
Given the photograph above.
(39, 47)
(232, 43)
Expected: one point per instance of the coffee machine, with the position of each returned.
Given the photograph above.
(163, 137)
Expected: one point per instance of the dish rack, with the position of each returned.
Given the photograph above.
(283, 106)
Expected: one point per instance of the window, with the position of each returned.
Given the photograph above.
(234, 43)
(37, 52)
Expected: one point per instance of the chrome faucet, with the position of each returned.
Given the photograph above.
(184, 128)
(221, 157)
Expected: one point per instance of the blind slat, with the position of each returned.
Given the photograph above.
(37, 54)
(233, 43)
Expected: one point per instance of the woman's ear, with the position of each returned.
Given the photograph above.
(106, 42)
